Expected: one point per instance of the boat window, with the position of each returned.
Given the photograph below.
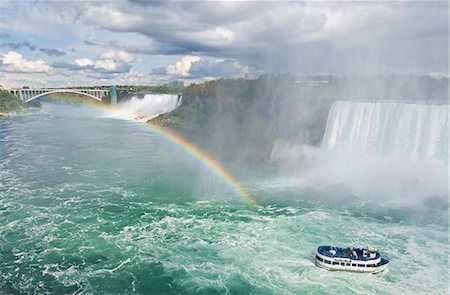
(361, 265)
(327, 261)
(348, 264)
(319, 258)
(353, 264)
(335, 263)
(342, 263)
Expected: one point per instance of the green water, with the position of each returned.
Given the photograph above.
(90, 203)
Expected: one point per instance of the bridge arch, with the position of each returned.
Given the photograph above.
(63, 91)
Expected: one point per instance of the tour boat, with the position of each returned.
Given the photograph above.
(366, 260)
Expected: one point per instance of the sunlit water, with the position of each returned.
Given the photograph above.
(90, 203)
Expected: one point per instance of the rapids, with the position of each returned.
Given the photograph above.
(91, 203)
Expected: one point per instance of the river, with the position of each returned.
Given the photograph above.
(92, 203)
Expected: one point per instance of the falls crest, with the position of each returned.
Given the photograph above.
(151, 105)
(412, 131)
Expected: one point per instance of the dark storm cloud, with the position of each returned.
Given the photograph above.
(306, 37)
(52, 52)
(18, 45)
(173, 28)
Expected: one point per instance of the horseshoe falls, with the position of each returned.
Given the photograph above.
(402, 130)
(392, 152)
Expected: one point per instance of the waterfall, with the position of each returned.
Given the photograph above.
(403, 130)
(151, 105)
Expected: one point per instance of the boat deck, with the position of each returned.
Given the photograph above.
(353, 254)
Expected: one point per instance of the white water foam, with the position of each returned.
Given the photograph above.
(151, 105)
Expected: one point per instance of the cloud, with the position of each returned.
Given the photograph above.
(83, 62)
(110, 66)
(15, 62)
(231, 37)
(114, 62)
(52, 52)
(90, 43)
(439, 75)
(108, 62)
(80, 64)
(68, 66)
(133, 77)
(303, 37)
(219, 68)
(18, 45)
(182, 67)
(159, 71)
(196, 67)
(120, 56)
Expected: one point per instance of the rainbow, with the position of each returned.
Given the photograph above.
(205, 159)
(198, 154)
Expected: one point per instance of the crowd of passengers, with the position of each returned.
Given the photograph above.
(354, 254)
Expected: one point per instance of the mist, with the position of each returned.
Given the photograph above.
(359, 135)
(367, 176)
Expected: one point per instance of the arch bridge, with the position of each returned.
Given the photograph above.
(27, 94)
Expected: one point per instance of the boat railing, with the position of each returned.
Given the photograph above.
(325, 250)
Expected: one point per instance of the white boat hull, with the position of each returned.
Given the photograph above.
(372, 270)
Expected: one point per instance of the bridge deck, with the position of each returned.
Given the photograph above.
(29, 94)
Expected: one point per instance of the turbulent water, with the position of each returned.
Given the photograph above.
(90, 203)
(151, 105)
(413, 131)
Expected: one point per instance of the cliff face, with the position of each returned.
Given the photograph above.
(243, 118)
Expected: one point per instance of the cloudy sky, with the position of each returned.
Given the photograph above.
(58, 43)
